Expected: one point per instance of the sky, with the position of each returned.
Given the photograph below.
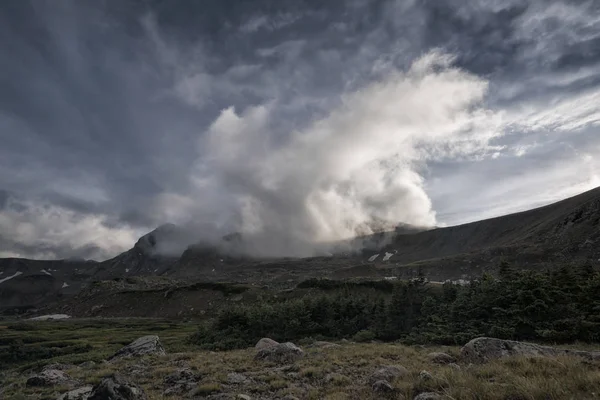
(295, 122)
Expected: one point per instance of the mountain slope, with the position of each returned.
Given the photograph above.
(558, 234)
(568, 227)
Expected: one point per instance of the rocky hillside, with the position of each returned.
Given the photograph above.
(562, 233)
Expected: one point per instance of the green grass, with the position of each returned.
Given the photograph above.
(26, 345)
(324, 373)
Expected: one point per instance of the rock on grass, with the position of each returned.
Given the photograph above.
(441, 358)
(82, 393)
(484, 349)
(382, 386)
(388, 373)
(116, 387)
(50, 377)
(283, 353)
(265, 343)
(140, 347)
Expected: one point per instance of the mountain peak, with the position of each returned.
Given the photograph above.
(167, 240)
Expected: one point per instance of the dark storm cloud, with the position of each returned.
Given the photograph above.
(104, 105)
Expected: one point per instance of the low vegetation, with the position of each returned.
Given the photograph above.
(414, 318)
(27, 345)
(342, 373)
(559, 306)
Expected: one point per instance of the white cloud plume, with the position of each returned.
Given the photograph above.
(352, 171)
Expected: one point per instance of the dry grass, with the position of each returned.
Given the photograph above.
(342, 374)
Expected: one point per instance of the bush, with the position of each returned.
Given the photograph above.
(557, 306)
(363, 336)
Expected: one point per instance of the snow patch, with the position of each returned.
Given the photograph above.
(390, 278)
(373, 258)
(10, 277)
(50, 317)
(126, 269)
(389, 255)
(46, 272)
(65, 284)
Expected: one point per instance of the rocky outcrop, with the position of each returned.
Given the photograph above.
(283, 353)
(180, 382)
(485, 349)
(441, 358)
(140, 347)
(265, 343)
(116, 387)
(50, 377)
(388, 373)
(382, 387)
(235, 378)
(425, 376)
(83, 393)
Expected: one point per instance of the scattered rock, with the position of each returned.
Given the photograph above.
(441, 358)
(454, 366)
(428, 396)
(117, 388)
(283, 353)
(87, 364)
(388, 373)
(83, 393)
(140, 347)
(289, 397)
(50, 377)
(180, 382)
(235, 378)
(265, 343)
(485, 349)
(382, 386)
(425, 375)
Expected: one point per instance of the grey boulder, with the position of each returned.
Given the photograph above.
(180, 382)
(441, 358)
(388, 373)
(50, 377)
(485, 349)
(140, 347)
(82, 393)
(382, 387)
(282, 353)
(265, 343)
(116, 387)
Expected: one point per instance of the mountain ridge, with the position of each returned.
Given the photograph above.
(567, 231)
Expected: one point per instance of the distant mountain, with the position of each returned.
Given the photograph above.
(564, 232)
(153, 254)
(557, 234)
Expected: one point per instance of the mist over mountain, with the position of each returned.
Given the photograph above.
(294, 124)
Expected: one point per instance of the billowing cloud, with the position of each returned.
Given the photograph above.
(352, 171)
(299, 123)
